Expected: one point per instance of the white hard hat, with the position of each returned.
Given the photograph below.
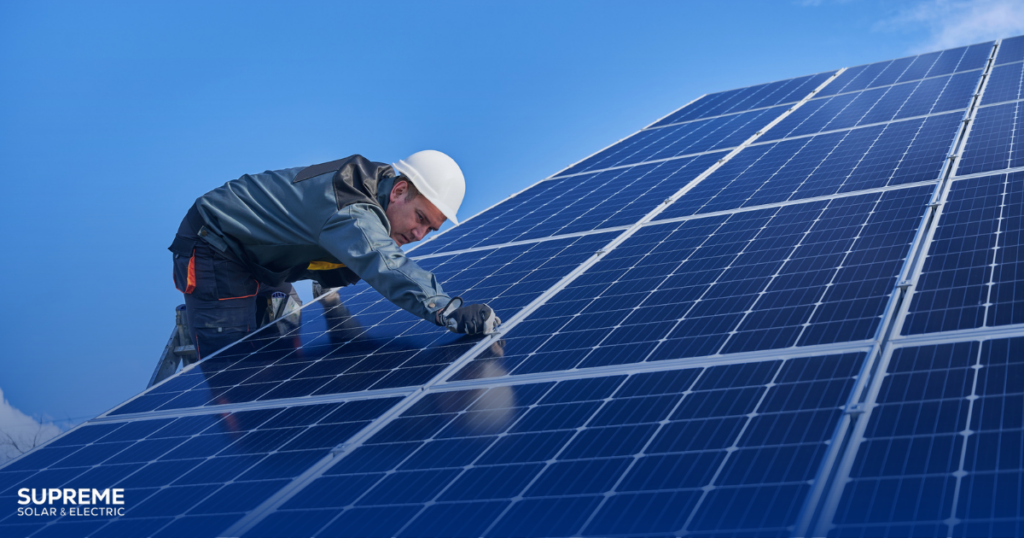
(437, 177)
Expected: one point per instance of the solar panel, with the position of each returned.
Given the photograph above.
(1010, 50)
(993, 145)
(941, 454)
(182, 474)
(973, 274)
(794, 275)
(854, 160)
(664, 452)
(680, 139)
(912, 68)
(795, 308)
(1005, 84)
(861, 108)
(760, 96)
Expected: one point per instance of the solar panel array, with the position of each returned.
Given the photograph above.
(790, 309)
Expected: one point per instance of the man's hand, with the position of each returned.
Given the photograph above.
(471, 319)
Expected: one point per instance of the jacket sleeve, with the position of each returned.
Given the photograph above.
(357, 236)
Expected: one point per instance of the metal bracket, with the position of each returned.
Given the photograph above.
(855, 409)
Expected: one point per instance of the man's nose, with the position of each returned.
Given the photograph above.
(419, 232)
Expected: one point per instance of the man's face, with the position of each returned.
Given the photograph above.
(411, 220)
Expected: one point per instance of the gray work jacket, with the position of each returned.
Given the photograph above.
(324, 222)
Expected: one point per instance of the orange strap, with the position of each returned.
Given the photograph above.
(190, 286)
(243, 296)
(324, 266)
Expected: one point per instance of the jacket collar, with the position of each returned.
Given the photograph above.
(384, 187)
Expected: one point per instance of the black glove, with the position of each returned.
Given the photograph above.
(472, 319)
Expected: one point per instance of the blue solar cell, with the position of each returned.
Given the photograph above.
(760, 96)
(993, 140)
(846, 161)
(795, 275)
(974, 271)
(361, 341)
(1004, 84)
(916, 468)
(595, 447)
(680, 139)
(575, 204)
(1010, 50)
(236, 461)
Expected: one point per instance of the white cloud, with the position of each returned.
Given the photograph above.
(954, 23)
(20, 432)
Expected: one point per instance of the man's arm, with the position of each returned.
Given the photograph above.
(357, 236)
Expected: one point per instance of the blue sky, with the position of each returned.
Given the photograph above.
(115, 116)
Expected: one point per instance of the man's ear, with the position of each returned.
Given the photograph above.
(399, 190)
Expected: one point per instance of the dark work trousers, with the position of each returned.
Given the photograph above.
(222, 298)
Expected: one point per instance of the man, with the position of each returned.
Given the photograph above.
(335, 223)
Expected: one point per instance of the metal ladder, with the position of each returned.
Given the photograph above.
(180, 351)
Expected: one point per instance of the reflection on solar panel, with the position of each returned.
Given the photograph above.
(790, 309)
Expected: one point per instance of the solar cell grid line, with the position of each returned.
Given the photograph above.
(181, 475)
(554, 458)
(683, 288)
(902, 101)
(593, 201)
(359, 341)
(679, 140)
(896, 153)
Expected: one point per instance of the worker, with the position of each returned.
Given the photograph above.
(336, 223)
